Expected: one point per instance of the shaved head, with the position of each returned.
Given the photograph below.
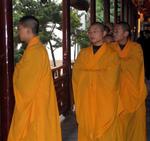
(126, 27)
(30, 22)
(100, 25)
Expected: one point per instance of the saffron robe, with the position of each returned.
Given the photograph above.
(133, 92)
(35, 115)
(95, 82)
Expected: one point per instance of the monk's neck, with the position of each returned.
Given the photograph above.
(123, 43)
(100, 43)
(30, 38)
(97, 46)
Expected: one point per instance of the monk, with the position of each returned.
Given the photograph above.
(107, 35)
(35, 115)
(96, 89)
(133, 89)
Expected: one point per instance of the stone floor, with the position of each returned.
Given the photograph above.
(69, 128)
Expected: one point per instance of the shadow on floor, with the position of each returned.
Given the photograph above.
(69, 128)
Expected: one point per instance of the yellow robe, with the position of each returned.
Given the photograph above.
(35, 115)
(96, 90)
(133, 92)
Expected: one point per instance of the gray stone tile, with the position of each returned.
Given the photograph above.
(69, 128)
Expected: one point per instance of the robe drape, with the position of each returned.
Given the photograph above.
(96, 92)
(35, 116)
(133, 92)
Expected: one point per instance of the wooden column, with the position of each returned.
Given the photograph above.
(135, 22)
(6, 67)
(127, 11)
(92, 11)
(122, 10)
(125, 14)
(131, 15)
(67, 47)
(106, 11)
(115, 11)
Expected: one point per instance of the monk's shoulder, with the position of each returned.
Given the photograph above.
(84, 51)
(112, 44)
(112, 56)
(136, 49)
(39, 48)
(37, 51)
(135, 46)
(111, 49)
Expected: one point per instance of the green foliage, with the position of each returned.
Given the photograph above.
(111, 11)
(83, 39)
(99, 10)
(78, 35)
(50, 17)
(49, 12)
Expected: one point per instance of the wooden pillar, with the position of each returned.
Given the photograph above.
(131, 16)
(92, 11)
(6, 67)
(115, 11)
(127, 10)
(67, 47)
(122, 10)
(125, 13)
(106, 11)
(135, 22)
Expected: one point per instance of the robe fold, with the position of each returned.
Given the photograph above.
(133, 92)
(35, 115)
(96, 91)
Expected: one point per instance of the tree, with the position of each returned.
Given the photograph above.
(78, 35)
(49, 15)
(99, 10)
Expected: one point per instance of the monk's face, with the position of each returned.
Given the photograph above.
(95, 34)
(119, 33)
(23, 33)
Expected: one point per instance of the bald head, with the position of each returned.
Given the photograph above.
(99, 25)
(96, 33)
(126, 27)
(30, 22)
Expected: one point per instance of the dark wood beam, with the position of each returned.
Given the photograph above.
(92, 11)
(129, 12)
(125, 11)
(106, 11)
(67, 47)
(115, 11)
(6, 67)
(122, 2)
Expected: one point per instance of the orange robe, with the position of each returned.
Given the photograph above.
(35, 115)
(133, 92)
(96, 90)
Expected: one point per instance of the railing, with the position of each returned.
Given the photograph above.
(60, 82)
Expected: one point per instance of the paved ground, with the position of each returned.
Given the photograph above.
(69, 128)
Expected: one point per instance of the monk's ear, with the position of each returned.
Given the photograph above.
(104, 33)
(126, 33)
(29, 30)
